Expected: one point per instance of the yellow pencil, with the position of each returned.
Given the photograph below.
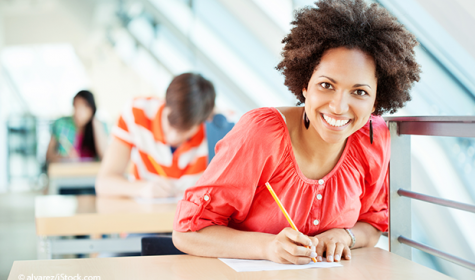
(277, 200)
(157, 167)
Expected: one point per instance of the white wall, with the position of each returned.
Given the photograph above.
(3, 142)
(3, 146)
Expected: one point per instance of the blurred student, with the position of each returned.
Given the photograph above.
(80, 137)
(166, 142)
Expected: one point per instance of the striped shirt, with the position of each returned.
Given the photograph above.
(140, 127)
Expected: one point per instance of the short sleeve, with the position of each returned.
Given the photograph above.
(64, 131)
(61, 127)
(121, 130)
(374, 199)
(55, 129)
(245, 158)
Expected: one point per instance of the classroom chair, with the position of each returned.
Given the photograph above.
(159, 245)
(215, 131)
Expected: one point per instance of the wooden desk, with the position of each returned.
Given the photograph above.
(367, 263)
(72, 175)
(59, 215)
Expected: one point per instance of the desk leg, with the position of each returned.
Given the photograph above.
(44, 248)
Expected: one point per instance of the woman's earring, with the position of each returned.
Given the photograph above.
(371, 129)
(306, 121)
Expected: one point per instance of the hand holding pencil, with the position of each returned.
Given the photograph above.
(288, 240)
(159, 187)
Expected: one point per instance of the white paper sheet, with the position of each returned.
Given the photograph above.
(157, 200)
(263, 265)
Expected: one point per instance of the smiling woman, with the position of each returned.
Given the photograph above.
(348, 63)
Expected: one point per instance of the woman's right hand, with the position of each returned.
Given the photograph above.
(288, 247)
(160, 187)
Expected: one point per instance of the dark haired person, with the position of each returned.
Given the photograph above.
(78, 137)
(327, 161)
(171, 133)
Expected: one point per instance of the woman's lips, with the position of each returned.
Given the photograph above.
(336, 123)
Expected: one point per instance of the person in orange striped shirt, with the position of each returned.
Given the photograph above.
(165, 141)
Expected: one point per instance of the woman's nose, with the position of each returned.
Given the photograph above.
(339, 103)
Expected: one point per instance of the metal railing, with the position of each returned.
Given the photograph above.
(401, 129)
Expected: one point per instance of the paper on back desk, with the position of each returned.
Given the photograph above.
(240, 265)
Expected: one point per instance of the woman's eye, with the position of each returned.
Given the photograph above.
(326, 85)
(360, 92)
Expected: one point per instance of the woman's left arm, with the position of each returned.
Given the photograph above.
(365, 234)
(336, 242)
(100, 137)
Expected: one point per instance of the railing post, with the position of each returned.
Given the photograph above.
(399, 178)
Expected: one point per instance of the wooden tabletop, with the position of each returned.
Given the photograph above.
(83, 215)
(73, 169)
(367, 263)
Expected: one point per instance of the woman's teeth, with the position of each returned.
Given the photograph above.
(333, 122)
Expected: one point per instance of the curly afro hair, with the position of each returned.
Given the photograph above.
(354, 25)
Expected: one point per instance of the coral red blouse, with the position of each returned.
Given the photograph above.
(232, 190)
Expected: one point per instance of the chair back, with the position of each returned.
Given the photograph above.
(159, 245)
(215, 131)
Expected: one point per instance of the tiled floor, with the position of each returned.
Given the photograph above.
(17, 229)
